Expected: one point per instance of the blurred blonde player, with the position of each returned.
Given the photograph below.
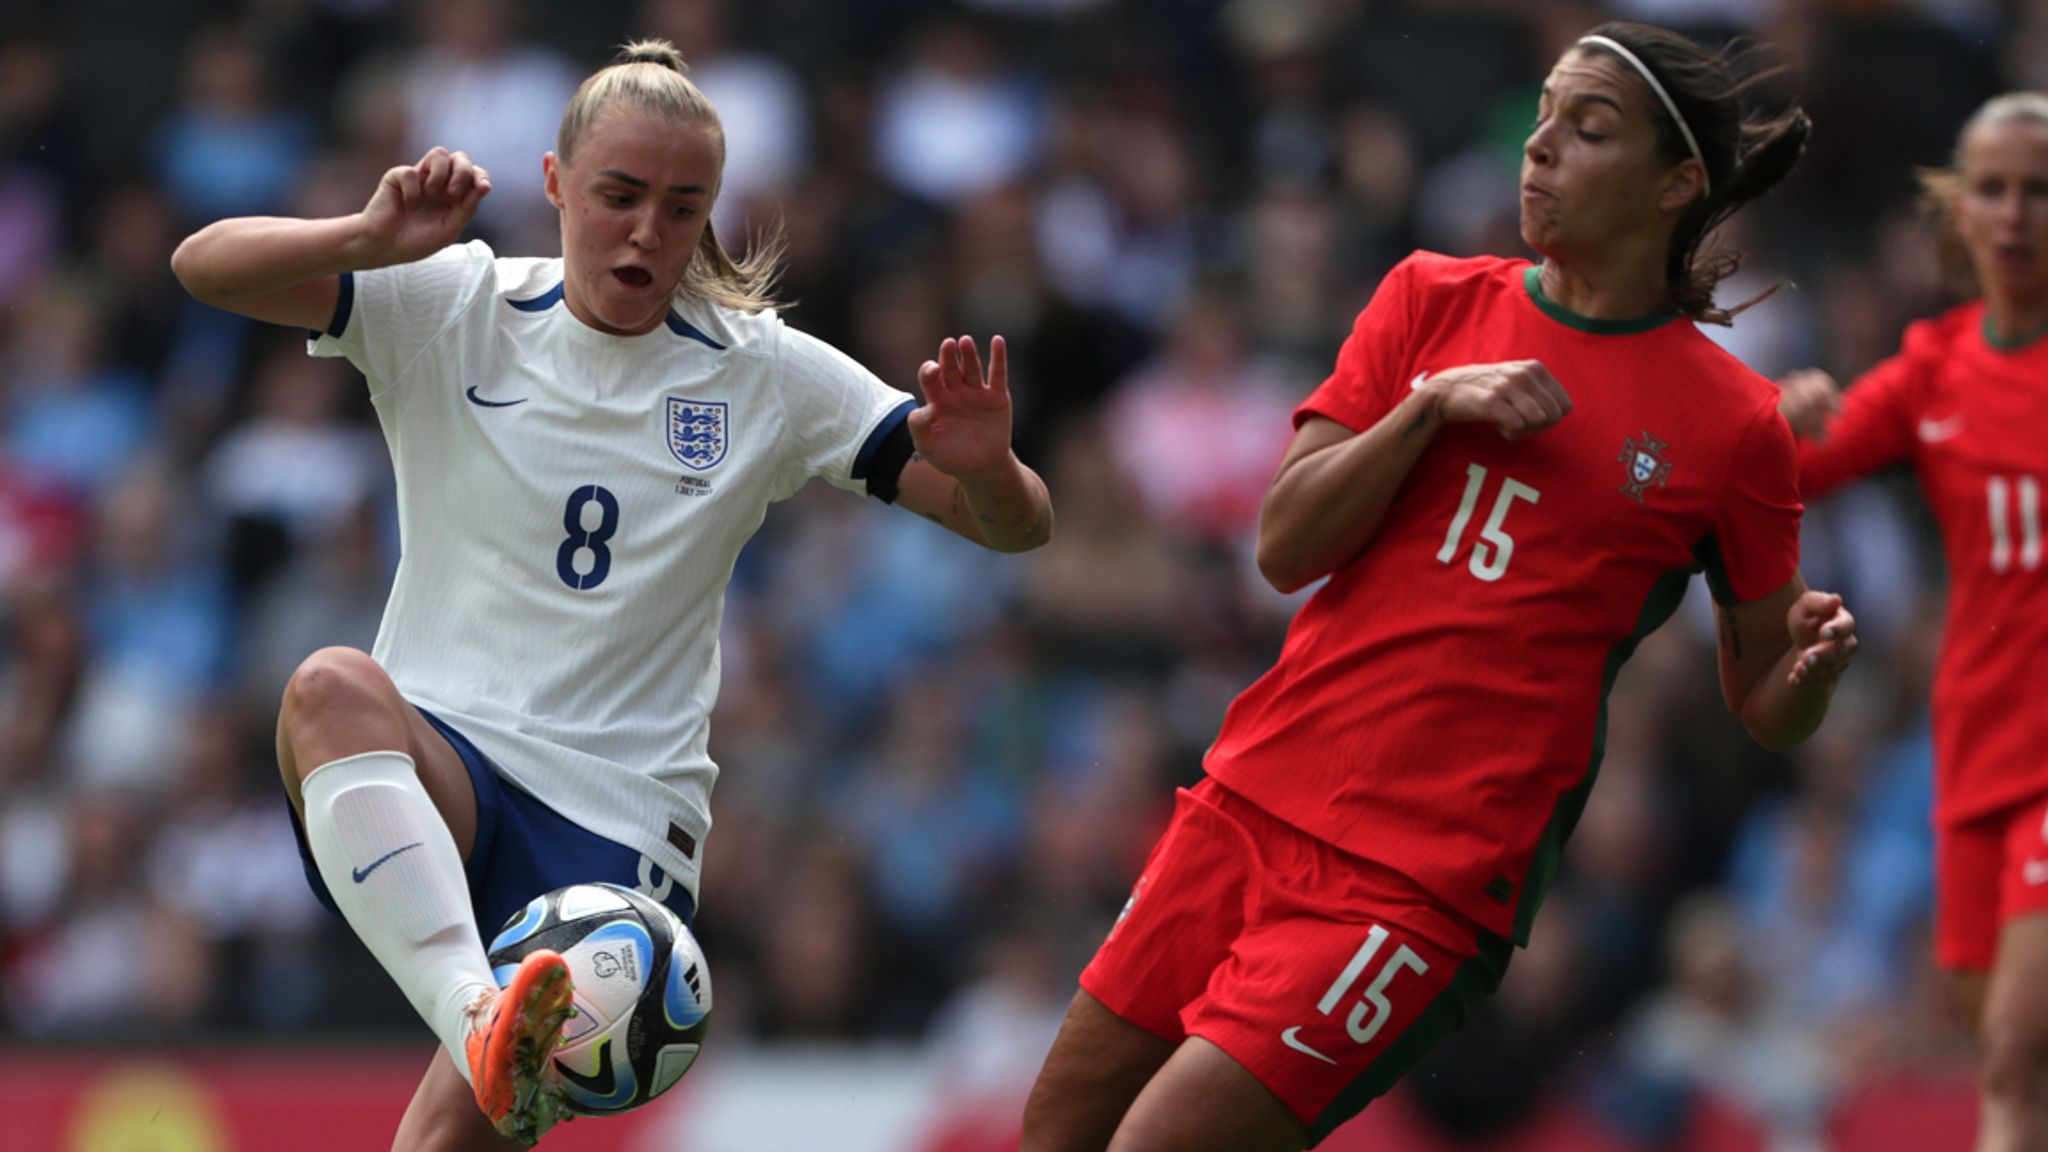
(1965, 403)
(582, 445)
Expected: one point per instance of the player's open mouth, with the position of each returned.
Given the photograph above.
(635, 278)
(2013, 257)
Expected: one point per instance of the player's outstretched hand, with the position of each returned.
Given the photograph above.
(419, 209)
(1824, 633)
(1518, 397)
(1808, 399)
(964, 427)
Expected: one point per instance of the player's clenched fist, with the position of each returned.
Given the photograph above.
(1807, 399)
(1518, 397)
(1824, 633)
(419, 209)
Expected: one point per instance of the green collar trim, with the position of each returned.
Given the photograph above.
(1532, 280)
(1991, 336)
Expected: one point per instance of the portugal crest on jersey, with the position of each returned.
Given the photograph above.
(697, 431)
(1646, 465)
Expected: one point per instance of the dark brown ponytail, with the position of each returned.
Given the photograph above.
(1746, 151)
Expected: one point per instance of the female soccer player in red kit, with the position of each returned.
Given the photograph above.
(1508, 479)
(1965, 402)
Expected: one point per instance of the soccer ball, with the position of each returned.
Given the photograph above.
(642, 991)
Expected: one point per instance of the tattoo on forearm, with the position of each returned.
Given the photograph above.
(1416, 425)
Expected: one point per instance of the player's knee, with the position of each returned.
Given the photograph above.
(2015, 1065)
(334, 689)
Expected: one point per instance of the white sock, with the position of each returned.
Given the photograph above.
(394, 871)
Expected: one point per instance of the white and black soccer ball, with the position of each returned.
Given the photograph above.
(642, 991)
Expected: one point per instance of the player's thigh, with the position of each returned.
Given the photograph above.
(443, 1116)
(2014, 1027)
(1203, 1100)
(1098, 1065)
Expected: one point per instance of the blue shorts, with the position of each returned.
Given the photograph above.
(524, 849)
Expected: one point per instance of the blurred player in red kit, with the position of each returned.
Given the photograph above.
(1965, 402)
(1509, 479)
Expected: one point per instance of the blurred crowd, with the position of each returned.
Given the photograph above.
(941, 768)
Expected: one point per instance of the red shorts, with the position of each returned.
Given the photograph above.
(1326, 975)
(1987, 872)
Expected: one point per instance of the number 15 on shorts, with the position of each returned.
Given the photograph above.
(1370, 1012)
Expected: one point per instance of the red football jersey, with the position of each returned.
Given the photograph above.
(1972, 419)
(1438, 706)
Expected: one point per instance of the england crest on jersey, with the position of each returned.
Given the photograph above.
(697, 431)
(1647, 465)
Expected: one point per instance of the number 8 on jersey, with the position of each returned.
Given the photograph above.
(586, 537)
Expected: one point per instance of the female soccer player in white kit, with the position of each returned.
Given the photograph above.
(582, 446)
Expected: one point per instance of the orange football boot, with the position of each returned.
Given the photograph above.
(513, 1036)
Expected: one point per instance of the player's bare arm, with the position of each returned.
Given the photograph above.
(1333, 487)
(963, 475)
(286, 271)
(1780, 658)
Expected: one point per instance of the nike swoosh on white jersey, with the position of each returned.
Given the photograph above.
(1288, 1038)
(2036, 874)
(1935, 431)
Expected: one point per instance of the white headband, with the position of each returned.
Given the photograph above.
(1706, 180)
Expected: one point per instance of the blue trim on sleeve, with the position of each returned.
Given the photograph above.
(542, 302)
(682, 327)
(344, 307)
(886, 425)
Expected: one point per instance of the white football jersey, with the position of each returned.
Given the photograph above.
(570, 506)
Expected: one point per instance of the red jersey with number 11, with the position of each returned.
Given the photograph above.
(1971, 417)
(1439, 704)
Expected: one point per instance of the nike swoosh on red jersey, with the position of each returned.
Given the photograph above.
(1936, 431)
(1292, 1041)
